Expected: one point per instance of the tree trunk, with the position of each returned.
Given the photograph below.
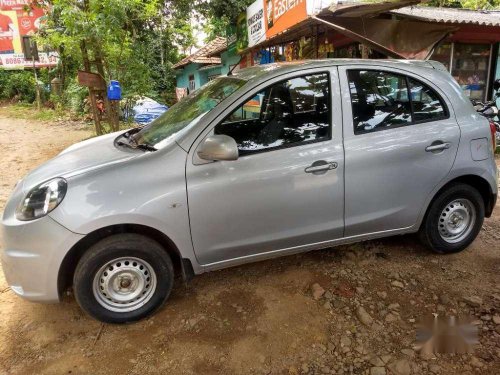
(111, 108)
(93, 101)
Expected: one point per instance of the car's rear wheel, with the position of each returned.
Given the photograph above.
(123, 278)
(453, 220)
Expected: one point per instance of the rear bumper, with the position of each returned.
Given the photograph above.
(491, 205)
(494, 195)
(32, 255)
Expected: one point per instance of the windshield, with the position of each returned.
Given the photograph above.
(187, 111)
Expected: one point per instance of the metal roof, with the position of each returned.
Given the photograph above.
(204, 54)
(357, 8)
(450, 15)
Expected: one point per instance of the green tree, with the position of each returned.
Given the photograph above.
(132, 41)
(219, 14)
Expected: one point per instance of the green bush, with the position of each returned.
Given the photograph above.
(74, 96)
(18, 86)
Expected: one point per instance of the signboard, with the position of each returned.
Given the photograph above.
(283, 14)
(13, 61)
(256, 23)
(264, 19)
(241, 32)
(231, 39)
(92, 80)
(19, 19)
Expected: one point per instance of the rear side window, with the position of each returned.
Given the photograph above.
(383, 100)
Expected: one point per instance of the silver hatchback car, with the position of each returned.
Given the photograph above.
(273, 160)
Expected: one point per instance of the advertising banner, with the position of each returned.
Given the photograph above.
(15, 61)
(256, 23)
(18, 19)
(231, 39)
(241, 32)
(283, 14)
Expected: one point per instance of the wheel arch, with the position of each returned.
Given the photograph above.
(66, 271)
(475, 181)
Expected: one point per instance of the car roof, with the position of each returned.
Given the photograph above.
(263, 70)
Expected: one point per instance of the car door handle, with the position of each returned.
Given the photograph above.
(321, 166)
(438, 147)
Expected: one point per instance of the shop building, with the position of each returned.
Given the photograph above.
(465, 41)
(202, 66)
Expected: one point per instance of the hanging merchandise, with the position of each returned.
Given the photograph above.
(306, 49)
(289, 52)
(266, 57)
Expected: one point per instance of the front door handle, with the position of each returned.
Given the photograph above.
(321, 166)
(438, 146)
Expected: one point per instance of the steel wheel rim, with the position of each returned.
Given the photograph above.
(124, 284)
(457, 220)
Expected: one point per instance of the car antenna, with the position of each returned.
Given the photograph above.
(230, 73)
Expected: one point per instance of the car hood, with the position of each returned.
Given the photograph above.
(79, 158)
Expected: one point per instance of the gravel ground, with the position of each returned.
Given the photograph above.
(345, 310)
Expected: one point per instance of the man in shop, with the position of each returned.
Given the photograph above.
(6, 34)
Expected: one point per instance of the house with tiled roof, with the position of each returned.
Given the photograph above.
(208, 62)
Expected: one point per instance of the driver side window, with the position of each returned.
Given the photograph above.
(288, 113)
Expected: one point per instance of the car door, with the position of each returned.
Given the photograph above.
(286, 188)
(400, 141)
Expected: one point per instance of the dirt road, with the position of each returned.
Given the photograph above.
(262, 318)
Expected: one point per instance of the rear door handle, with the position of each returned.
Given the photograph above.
(438, 146)
(321, 166)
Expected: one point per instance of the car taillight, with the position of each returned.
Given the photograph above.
(493, 135)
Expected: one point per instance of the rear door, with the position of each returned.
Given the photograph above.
(400, 141)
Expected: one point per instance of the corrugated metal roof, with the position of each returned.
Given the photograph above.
(203, 55)
(361, 8)
(451, 15)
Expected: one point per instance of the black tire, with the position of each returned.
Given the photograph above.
(429, 231)
(116, 247)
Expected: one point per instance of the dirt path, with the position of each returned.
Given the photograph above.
(261, 318)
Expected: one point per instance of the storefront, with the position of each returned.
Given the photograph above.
(469, 64)
(465, 41)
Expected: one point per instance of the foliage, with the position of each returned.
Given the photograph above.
(219, 14)
(74, 97)
(138, 41)
(465, 4)
(17, 85)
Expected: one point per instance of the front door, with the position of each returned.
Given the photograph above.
(400, 140)
(286, 189)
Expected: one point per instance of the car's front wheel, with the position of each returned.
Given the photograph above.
(453, 220)
(123, 278)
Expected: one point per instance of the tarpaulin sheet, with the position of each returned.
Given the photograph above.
(411, 39)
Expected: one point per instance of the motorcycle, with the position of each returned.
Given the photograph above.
(490, 110)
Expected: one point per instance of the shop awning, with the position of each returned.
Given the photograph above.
(395, 38)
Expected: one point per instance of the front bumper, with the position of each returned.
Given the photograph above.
(32, 255)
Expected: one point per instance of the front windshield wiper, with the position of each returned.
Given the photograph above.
(132, 143)
(146, 147)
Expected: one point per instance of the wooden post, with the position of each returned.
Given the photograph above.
(93, 101)
(37, 87)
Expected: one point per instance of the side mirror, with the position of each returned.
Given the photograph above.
(218, 147)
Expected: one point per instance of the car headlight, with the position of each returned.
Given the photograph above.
(42, 199)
